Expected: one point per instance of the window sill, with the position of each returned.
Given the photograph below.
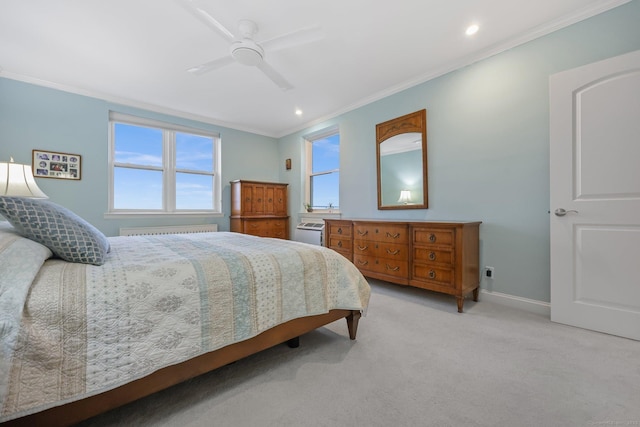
(120, 215)
(321, 214)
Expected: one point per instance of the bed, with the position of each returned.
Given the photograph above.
(80, 338)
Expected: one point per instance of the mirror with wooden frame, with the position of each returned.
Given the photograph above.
(401, 156)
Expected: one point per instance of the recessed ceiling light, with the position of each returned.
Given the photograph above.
(472, 29)
(298, 112)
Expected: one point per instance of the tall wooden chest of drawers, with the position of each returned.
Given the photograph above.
(439, 256)
(259, 208)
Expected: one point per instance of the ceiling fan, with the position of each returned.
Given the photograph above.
(244, 49)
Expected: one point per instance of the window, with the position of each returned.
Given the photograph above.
(323, 169)
(157, 167)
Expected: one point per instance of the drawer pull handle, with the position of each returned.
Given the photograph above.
(432, 274)
(393, 236)
(363, 233)
(396, 268)
(270, 200)
(390, 252)
(340, 244)
(432, 256)
(340, 230)
(363, 262)
(363, 248)
(432, 237)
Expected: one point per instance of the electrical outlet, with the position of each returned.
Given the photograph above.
(489, 273)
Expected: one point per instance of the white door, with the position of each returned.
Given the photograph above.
(595, 178)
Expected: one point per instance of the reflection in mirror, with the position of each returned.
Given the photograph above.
(402, 162)
(401, 170)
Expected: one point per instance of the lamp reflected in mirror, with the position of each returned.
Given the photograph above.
(405, 197)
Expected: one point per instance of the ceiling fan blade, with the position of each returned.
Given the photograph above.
(192, 7)
(275, 77)
(211, 65)
(294, 38)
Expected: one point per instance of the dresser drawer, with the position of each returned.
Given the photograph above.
(433, 236)
(255, 228)
(433, 255)
(396, 268)
(339, 243)
(392, 251)
(278, 229)
(277, 224)
(266, 228)
(432, 274)
(381, 232)
(339, 229)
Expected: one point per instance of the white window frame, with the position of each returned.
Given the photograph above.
(308, 141)
(168, 168)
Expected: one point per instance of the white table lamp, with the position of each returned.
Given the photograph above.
(17, 180)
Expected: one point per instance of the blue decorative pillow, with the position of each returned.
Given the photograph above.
(66, 234)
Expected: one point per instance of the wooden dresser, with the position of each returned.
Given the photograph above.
(259, 208)
(439, 256)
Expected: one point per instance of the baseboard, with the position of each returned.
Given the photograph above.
(531, 305)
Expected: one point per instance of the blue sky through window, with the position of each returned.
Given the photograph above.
(194, 152)
(138, 145)
(136, 188)
(325, 157)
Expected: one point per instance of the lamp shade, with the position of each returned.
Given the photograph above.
(405, 197)
(17, 180)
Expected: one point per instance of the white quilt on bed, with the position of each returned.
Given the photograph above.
(157, 301)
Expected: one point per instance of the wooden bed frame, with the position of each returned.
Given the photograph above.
(80, 410)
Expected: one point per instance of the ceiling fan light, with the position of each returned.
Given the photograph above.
(247, 53)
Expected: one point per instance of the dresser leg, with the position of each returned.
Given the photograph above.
(475, 293)
(460, 303)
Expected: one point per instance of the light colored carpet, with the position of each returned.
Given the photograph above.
(416, 362)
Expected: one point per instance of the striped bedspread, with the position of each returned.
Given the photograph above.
(157, 301)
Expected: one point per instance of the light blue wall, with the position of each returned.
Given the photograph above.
(488, 146)
(36, 117)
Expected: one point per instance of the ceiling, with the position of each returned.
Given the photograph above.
(138, 52)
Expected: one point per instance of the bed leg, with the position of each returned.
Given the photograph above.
(294, 342)
(352, 323)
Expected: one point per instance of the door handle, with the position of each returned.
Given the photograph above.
(562, 212)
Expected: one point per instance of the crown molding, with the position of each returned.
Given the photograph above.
(131, 103)
(589, 11)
